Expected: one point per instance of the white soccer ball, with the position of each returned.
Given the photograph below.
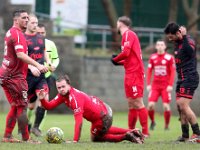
(55, 135)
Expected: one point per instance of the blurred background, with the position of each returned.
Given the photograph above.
(85, 34)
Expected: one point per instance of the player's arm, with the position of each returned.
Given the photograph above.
(126, 50)
(172, 70)
(24, 57)
(54, 55)
(78, 126)
(49, 104)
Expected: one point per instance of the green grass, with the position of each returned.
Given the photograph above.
(159, 139)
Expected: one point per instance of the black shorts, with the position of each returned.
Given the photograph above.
(34, 85)
(186, 88)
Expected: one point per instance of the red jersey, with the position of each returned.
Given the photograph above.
(164, 69)
(12, 66)
(131, 54)
(84, 106)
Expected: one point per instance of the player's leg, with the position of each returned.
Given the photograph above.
(152, 99)
(40, 111)
(184, 105)
(11, 116)
(166, 99)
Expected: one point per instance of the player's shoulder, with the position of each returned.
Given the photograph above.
(168, 56)
(154, 56)
(50, 42)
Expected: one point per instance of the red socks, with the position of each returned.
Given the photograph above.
(167, 115)
(23, 122)
(10, 121)
(151, 115)
(116, 130)
(143, 117)
(132, 118)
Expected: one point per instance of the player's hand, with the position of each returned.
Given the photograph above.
(42, 68)
(148, 88)
(34, 71)
(183, 30)
(51, 68)
(113, 62)
(42, 94)
(169, 88)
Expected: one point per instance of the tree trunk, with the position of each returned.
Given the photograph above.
(127, 7)
(173, 10)
(112, 17)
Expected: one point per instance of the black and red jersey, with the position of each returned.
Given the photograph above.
(185, 58)
(36, 47)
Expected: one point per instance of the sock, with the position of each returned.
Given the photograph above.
(167, 115)
(185, 130)
(116, 130)
(113, 138)
(132, 118)
(143, 117)
(10, 121)
(40, 112)
(195, 129)
(43, 120)
(151, 115)
(23, 122)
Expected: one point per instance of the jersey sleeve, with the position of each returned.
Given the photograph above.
(127, 44)
(149, 71)
(19, 41)
(172, 71)
(53, 103)
(188, 45)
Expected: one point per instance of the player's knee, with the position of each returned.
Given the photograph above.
(166, 107)
(151, 106)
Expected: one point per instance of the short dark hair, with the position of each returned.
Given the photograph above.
(63, 77)
(172, 28)
(40, 25)
(18, 12)
(125, 20)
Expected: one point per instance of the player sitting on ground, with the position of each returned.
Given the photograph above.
(92, 109)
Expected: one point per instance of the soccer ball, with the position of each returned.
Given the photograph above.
(55, 135)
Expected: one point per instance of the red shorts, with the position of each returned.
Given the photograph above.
(16, 91)
(134, 87)
(154, 94)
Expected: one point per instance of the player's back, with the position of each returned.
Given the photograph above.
(134, 62)
(91, 107)
(14, 42)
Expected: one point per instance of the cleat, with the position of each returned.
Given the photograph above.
(37, 132)
(182, 139)
(31, 141)
(135, 136)
(10, 140)
(194, 138)
(152, 126)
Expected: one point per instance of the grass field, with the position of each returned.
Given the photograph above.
(159, 139)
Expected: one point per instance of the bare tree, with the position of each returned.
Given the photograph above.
(191, 12)
(127, 7)
(173, 10)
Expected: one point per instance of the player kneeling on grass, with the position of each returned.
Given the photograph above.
(92, 109)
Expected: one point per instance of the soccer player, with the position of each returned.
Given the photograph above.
(35, 79)
(13, 76)
(131, 58)
(163, 65)
(188, 78)
(92, 109)
(53, 56)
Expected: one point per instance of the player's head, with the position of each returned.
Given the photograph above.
(160, 46)
(32, 24)
(172, 31)
(41, 29)
(63, 84)
(123, 23)
(20, 18)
